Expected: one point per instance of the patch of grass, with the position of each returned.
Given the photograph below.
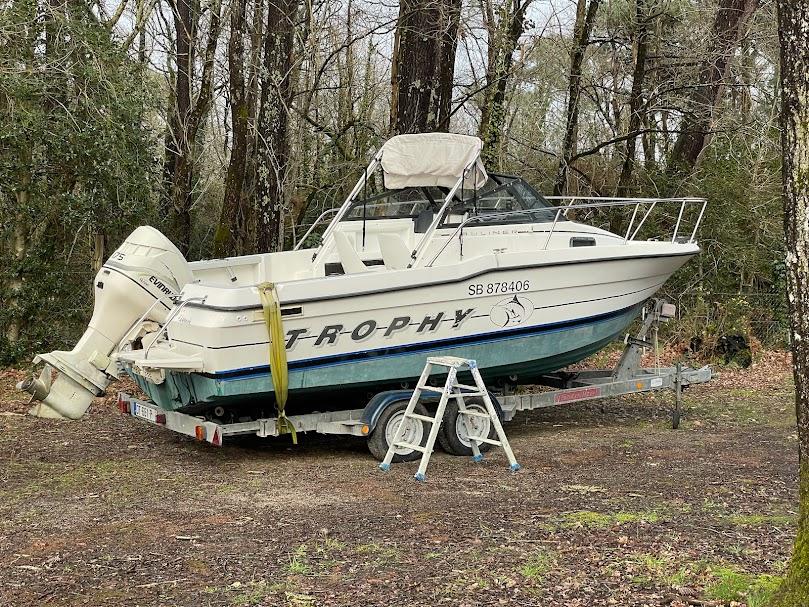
(378, 550)
(655, 568)
(600, 520)
(679, 578)
(255, 593)
(729, 584)
(759, 520)
(587, 518)
(538, 566)
(117, 479)
(299, 563)
(636, 517)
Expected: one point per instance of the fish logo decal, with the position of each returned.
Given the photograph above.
(512, 311)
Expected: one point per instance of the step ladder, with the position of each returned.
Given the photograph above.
(458, 391)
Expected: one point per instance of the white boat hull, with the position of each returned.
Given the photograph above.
(518, 320)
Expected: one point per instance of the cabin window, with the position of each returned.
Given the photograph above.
(582, 241)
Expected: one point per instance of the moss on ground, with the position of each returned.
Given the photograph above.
(600, 520)
(538, 565)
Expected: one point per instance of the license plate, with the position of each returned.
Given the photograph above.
(147, 413)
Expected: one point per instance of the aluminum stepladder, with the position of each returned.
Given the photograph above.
(458, 391)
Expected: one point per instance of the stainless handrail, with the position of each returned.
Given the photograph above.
(312, 227)
(172, 315)
(604, 202)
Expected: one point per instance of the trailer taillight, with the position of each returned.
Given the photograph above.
(160, 418)
(200, 433)
(123, 403)
(216, 441)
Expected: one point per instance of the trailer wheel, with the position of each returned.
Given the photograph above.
(385, 430)
(453, 437)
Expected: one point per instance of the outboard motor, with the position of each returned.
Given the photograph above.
(137, 282)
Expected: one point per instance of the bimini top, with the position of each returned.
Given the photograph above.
(432, 159)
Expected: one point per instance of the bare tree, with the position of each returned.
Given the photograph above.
(728, 28)
(188, 110)
(231, 233)
(424, 65)
(636, 102)
(273, 122)
(585, 19)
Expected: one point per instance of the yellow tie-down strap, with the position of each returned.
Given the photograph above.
(278, 355)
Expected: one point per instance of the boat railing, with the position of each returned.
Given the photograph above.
(641, 205)
(315, 223)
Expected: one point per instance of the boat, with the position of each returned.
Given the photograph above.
(429, 255)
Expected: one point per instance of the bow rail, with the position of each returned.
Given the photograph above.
(561, 210)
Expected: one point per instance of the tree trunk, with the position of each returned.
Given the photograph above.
(585, 18)
(231, 233)
(19, 249)
(504, 36)
(636, 112)
(728, 28)
(793, 18)
(426, 41)
(187, 114)
(273, 122)
(178, 151)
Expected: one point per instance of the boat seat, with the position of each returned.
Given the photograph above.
(349, 258)
(395, 253)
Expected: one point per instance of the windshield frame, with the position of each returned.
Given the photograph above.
(434, 197)
(528, 213)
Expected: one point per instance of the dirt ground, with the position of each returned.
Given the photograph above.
(612, 507)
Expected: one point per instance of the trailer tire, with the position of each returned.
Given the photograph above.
(385, 429)
(452, 438)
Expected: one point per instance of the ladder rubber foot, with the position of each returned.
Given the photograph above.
(384, 467)
(420, 477)
(477, 458)
(515, 466)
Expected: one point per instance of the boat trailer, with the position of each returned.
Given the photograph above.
(561, 388)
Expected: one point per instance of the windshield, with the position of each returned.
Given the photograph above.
(397, 204)
(500, 194)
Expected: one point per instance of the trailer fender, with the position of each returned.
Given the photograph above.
(382, 400)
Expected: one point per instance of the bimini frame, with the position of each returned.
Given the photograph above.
(375, 163)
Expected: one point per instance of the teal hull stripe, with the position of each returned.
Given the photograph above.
(525, 355)
(426, 346)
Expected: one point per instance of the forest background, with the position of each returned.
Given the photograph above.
(232, 124)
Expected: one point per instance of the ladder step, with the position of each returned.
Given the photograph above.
(475, 414)
(423, 418)
(458, 394)
(448, 361)
(418, 448)
(465, 387)
(488, 441)
(430, 389)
